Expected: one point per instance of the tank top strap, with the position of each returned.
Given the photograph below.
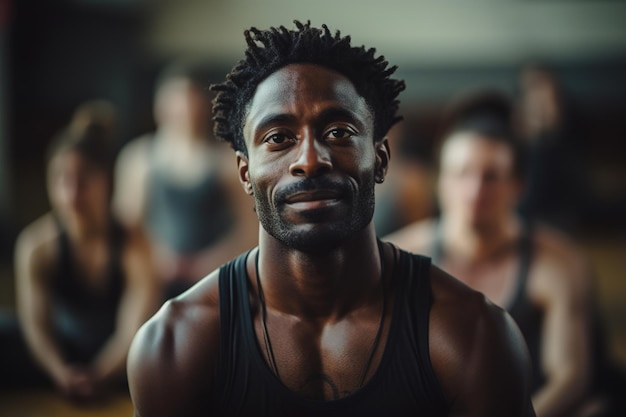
(65, 276)
(116, 275)
(437, 244)
(525, 254)
(414, 292)
(232, 290)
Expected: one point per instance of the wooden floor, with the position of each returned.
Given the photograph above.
(46, 403)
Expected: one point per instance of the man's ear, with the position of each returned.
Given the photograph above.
(244, 173)
(383, 155)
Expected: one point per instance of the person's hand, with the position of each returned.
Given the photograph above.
(77, 383)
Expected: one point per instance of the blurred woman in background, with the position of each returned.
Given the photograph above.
(179, 184)
(84, 283)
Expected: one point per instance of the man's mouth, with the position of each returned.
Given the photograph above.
(311, 196)
(311, 200)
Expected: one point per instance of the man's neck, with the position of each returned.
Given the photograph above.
(322, 285)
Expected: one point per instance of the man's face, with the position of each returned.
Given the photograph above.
(312, 160)
(477, 185)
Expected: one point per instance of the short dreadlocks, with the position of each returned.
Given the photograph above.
(272, 49)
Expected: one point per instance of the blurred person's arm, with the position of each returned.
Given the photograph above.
(35, 254)
(563, 288)
(131, 177)
(139, 301)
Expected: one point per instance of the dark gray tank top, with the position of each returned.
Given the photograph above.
(187, 219)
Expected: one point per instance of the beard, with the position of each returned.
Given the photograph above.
(323, 229)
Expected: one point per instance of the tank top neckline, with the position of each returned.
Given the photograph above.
(255, 350)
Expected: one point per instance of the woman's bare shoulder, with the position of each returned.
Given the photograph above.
(37, 243)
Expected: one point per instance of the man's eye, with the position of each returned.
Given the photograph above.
(276, 138)
(339, 134)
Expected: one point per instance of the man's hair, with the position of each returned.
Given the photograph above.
(270, 50)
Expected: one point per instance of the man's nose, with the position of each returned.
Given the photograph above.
(313, 158)
(474, 186)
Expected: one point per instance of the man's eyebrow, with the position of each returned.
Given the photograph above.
(339, 113)
(327, 115)
(275, 118)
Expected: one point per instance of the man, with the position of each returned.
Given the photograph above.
(538, 275)
(322, 318)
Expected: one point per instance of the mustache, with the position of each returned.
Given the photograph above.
(312, 184)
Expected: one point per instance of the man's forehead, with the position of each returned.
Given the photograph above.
(298, 85)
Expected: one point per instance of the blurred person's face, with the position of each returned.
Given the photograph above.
(181, 105)
(79, 191)
(541, 104)
(477, 185)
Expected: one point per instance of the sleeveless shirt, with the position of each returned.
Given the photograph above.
(403, 385)
(187, 218)
(83, 320)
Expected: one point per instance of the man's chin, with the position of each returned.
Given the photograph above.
(313, 238)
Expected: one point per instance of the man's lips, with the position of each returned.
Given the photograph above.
(312, 196)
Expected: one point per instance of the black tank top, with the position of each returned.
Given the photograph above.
(403, 385)
(83, 319)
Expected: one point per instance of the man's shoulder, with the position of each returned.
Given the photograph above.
(560, 266)
(459, 308)
(181, 341)
(556, 243)
(475, 346)
(193, 312)
(416, 237)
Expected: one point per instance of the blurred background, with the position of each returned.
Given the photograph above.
(56, 54)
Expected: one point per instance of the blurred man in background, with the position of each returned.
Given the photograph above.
(533, 271)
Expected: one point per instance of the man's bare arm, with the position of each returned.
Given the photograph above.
(478, 353)
(172, 360)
